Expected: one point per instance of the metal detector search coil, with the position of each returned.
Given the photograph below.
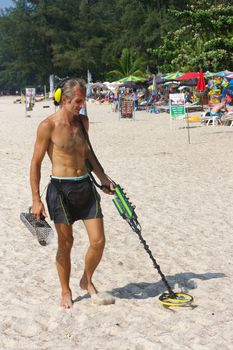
(127, 211)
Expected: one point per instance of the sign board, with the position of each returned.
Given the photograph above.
(177, 106)
(51, 85)
(30, 98)
(127, 107)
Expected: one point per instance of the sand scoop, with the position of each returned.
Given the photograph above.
(39, 228)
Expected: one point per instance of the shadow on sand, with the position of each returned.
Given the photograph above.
(143, 290)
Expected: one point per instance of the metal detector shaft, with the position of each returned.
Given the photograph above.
(156, 265)
(127, 212)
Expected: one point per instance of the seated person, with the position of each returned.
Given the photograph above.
(219, 109)
(195, 99)
(188, 97)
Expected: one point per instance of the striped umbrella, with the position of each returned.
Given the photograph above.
(223, 73)
(209, 74)
(131, 78)
(173, 76)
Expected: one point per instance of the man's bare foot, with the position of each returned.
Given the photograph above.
(90, 288)
(66, 300)
(97, 298)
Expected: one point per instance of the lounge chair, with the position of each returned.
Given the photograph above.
(228, 119)
(207, 119)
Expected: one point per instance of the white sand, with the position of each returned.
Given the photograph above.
(183, 194)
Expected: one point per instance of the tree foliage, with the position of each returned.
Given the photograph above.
(128, 64)
(204, 38)
(66, 38)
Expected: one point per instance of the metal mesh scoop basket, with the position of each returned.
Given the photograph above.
(39, 228)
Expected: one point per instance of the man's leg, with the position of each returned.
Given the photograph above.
(65, 242)
(95, 230)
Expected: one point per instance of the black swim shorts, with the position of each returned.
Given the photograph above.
(69, 200)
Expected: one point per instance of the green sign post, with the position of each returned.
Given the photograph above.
(177, 109)
(177, 106)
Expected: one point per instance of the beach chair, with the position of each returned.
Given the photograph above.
(228, 119)
(207, 119)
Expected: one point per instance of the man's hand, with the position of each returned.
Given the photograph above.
(38, 209)
(107, 186)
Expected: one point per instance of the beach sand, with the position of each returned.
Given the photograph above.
(184, 203)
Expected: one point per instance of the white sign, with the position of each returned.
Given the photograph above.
(30, 98)
(177, 106)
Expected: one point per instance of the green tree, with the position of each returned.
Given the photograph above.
(24, 50)
(203, 40)
(129, 64)
(40, 37)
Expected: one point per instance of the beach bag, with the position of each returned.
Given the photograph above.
(40, 229)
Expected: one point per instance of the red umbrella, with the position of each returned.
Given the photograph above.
(188, 76)
(201, 82)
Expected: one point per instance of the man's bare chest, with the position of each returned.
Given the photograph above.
(68, 138)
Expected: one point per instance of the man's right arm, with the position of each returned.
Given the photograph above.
(41, 145)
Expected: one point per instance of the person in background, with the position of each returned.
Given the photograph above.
(219, 110)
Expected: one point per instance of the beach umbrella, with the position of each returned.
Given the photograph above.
(188, 76)
(201, 86)
(191, 82)
(172, 76)
(209, 74)
(131, 84)
(99, 85)
(172, 83)
(223, 73)
(131, 78)
(184, 87)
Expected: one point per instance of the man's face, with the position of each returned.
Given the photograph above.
(77, 102)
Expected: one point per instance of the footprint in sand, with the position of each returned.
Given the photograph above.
(102, 299)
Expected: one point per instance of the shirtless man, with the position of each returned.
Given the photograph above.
(70, 195)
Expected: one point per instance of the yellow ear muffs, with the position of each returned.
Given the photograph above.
(57, 96)
(58, 91)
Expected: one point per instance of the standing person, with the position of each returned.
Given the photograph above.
(71, 196)
(115, 99)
